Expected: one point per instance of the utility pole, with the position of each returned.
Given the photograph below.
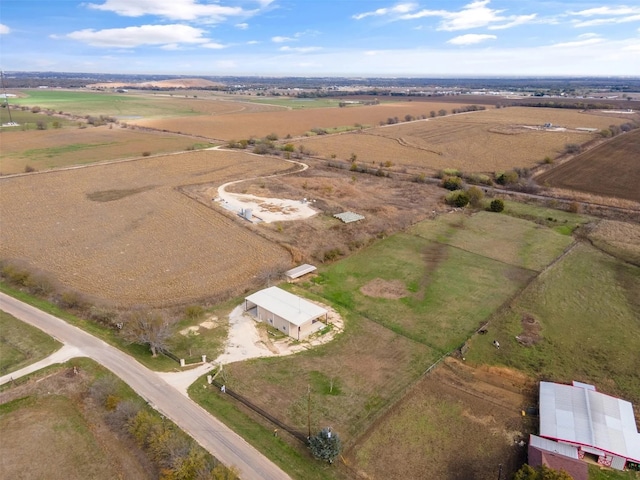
(309, 409)
(500, 472)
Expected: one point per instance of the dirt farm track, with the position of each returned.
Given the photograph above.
(124, 233)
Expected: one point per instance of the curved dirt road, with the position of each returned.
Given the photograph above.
(214, 436)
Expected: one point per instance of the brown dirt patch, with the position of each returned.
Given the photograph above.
(455, 407)
(530, 331)
(379, 288)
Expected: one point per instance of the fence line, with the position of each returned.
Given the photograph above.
(295, 433)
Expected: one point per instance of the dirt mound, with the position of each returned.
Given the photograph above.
(530, 331)
(379, 288)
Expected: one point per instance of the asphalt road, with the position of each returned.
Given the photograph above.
(214, 436)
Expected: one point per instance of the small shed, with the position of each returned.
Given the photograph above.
(556, 455)
(299, 272)
(287, 312)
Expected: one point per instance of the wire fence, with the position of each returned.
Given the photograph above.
(282, 426)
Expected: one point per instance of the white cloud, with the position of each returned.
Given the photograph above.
(470, 39)
(620, 10)
(130, 37)
(279, 39)
(214, 45)
(242, 26)
(605, 21)
(4, 29)
(585, 40)
(398, 9)
(473, 15)
(187, 10)
(299, 49)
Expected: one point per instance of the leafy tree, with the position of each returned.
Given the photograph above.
(459, 198)
(442, 112)
(452, 183)
(496, 205)
(475, 196)
(326, 445)
(540, 473)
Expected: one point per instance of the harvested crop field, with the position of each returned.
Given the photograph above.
(612, 169)
(457, 423)
(54, 148)
(483, 141)
(289, 122)
(125, 234)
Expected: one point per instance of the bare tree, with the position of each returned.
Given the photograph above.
(147, 328)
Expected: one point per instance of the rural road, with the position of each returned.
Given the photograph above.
(214, 436)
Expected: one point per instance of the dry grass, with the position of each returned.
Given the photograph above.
(294, 122)
(150, 244)
(484, 141)
(54, 148)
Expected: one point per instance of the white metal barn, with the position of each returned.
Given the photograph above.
(600, 426)
(299, 271)
(285, 311)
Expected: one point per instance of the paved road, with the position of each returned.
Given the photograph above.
(219, 440)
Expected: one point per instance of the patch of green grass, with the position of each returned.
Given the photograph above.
(597, 473)
(296, 103)
(515, 241)
(103, 103)
(452, 290)
(140, 352)
(54, 151)
(290, 455)
(587, 306)
(21, 344)
(549, 217)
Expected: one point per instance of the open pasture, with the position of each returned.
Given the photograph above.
(452, 407)
(290, 122)
(62, 147)
(586, 308)
(483, 141)
(135, 105)
(124, 233)
(611, 169)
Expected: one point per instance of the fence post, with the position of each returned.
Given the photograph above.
(209, 379)
(204, 359)
(182, 362)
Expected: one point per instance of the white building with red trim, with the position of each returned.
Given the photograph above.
(601, 427)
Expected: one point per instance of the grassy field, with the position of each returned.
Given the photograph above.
(46, 417)
(22, 344)
(587, 308)
(55, 148)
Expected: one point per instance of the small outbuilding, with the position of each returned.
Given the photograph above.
(299, 272)
(287, 312)
(600, 427)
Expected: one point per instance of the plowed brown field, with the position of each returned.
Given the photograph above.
(611, 169)
(483, 141)
(123, 232)
(290, 122)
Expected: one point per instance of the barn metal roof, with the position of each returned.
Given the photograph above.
(299, 271)
(553, 446)
(586, 417)
(292, 308)
(348, 217)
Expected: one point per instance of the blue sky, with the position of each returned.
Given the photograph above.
(322, 37)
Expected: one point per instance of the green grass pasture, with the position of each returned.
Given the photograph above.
(102, 103)
(21, 344)
(589, 309)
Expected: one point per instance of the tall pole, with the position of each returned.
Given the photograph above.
(6, 98)
(500, 472)
(309, 409)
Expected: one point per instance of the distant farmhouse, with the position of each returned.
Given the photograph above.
(577, 423)
(285, 311)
